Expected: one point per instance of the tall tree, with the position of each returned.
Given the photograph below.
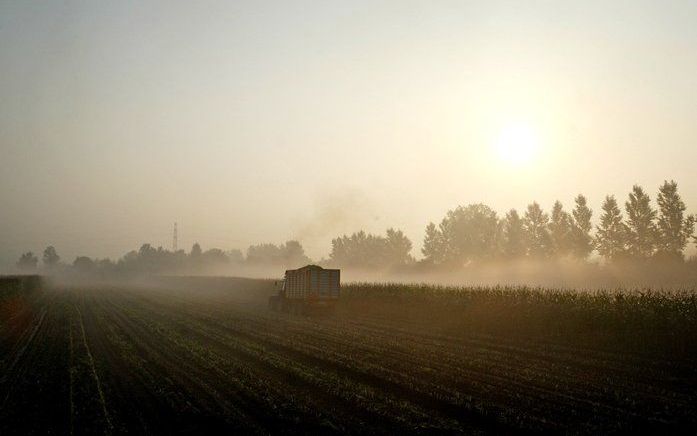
(560, 230)
(434, 246)
(398, 247)
(357, 250)
(50, 257)
(365, 250)
(641, 226)
(535, 224)
(582, 241)
(27, 262)
(265, 253)
(293, 254)
(514, 238)
(611, 238)
(470, 233)
(674, 228)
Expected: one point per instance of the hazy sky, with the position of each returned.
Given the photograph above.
(263, 121)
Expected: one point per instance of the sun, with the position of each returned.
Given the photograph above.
(517, 144)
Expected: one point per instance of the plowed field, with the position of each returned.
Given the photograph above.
(135, 360)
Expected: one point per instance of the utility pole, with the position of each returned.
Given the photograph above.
(175, 239)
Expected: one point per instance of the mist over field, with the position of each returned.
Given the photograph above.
(642, 245)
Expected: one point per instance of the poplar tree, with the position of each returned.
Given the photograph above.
(513, 234)
(398, 247)
(535, 224)
(641, 226)
(674, 228)
(434, 248)
(611, 237)
(582, 241)
(560, 230)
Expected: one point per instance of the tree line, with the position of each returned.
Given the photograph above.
(468, 234)
(475, 232)
(150, 260)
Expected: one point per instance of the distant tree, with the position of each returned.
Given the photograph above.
(235, 256)
(398, 247)
(561, 231)
(84, 265)
(611, 237)
(195, 251)
(340, 250)
(214, 256)
(147, 258)
(358, 250)
(27, 262)
(470, 233)
(290, 254)
(535, 224)
(194, 260)
(50, 257)
(365, 250)
(434, 246)
(514, 244)
(674, 228)
(293, 254)
(177, 260)
(151, 260)
(641, 227)
(264, 254)
(128, 263)
(106, 266)
(146, 250)
(581, 239)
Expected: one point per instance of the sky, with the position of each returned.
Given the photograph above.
(259, 121)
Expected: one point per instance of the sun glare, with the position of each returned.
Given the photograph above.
(517, 144)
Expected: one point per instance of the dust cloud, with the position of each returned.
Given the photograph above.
(335, 213)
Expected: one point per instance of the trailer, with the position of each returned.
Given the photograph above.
(307, 290)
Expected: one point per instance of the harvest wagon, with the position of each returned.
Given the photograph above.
(307, 289)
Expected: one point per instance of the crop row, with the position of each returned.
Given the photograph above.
(469, 375)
